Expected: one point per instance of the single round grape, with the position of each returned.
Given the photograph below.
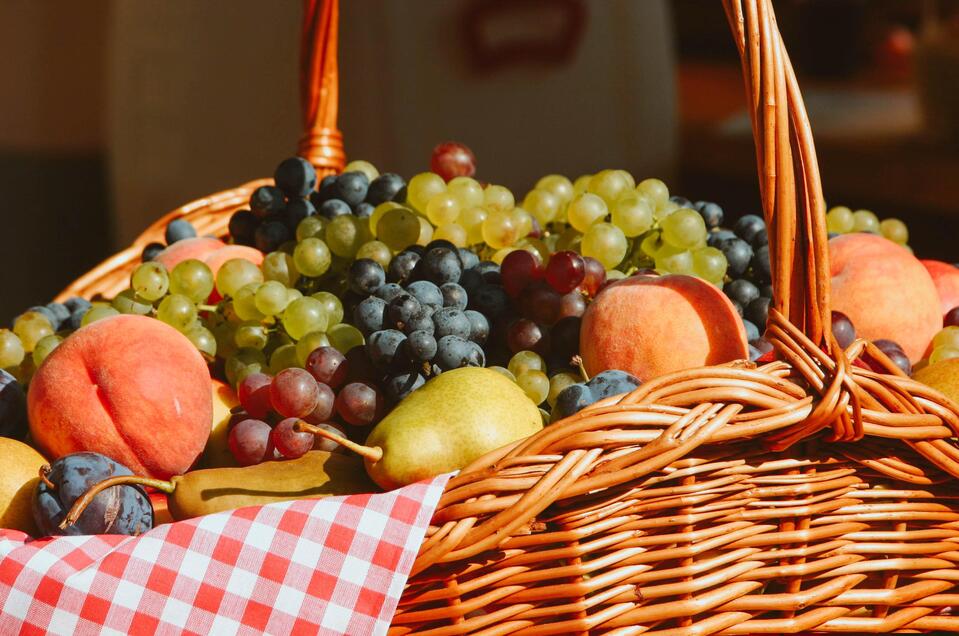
(45, 347)
(632, 214)
(249, 441)
(519, 268)
(127, 302)
(332, 306)
(535, 385)
(947, 337)
(422, 188)
(684, 228)
(608, 185)
(542, 204)
(738, 255)
(709, 263)
(522, 220)
(178, 311)
(467, 191)
(503, 371)
(289, 442)
(244, 303)
(312, 256)
(556, 385)
(304, 315)
(225, 342)
(284, 357)
(865, 221)
(452, 232)
(324, 406)
(327, 366)
(359, 404)
(250, 336)
(895, 230)
(253, 393)
(654, 190)
(378, 213)
(192, 278)
(344, 337)
(271, 298)
(586, 209)
(595, 276)
(266, 200)
(606, 243)
(840, 220)
(571, 304)
(398, 228)
(558, 185)
(311, 227)
(443, 208)
(386, 187)
(497, 198)
(365, 276)
(426, 231)
(151, 281)
(627, 175)
(11, 349)
(279, 266)
(943, 353)
(525, 361)
(344, 235)
(376, 251)
(524, 334)
(951, 319)
(203, 339)
(367, 168)
(232, 275)
(674, 260)
(472, 220)
(499, 230)
(369, 315)
(177, 230)
(296, 177)
(151, 251)
(843, 329)
(308, 344)
(97, 312)
(565, 271)
(581, 183)
(451, 159)
(293, 393)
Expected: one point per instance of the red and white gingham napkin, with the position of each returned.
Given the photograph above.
(329, 566)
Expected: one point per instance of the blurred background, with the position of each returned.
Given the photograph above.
(116, 111)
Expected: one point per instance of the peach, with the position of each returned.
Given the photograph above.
(130, 387)
(211, 251)
(885, 291)
(946, 279)
(651, 325)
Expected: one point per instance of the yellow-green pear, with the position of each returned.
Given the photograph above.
(444, 425)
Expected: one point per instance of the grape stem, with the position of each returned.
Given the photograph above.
(212, 308)
(372, 454)
(44, 471)
(122, 480)
(577, 361)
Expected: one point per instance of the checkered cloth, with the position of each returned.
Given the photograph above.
(329, 566)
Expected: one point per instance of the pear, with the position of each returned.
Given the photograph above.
(444, 425)
(18, 480)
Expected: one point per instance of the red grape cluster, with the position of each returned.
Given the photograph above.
(329, 392)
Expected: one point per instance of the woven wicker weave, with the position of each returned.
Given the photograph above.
(808, 494)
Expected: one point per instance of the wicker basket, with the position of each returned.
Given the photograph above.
(808, 494)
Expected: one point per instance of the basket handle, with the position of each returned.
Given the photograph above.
(789, 179)
(322, 141)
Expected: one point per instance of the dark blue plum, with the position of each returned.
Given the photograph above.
(612, 382)
(572, 399)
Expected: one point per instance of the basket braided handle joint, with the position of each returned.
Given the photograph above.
(322, 142)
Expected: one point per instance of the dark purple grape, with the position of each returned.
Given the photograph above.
(400, 310)
(296, 177)
(332, 208)
(761, 268)
(612, 382)
(295, 211)
(453, 352)
(327, 366)
(122, 509)
(738, 255)
(682, 202)
(325, 190)
(366, 276)
(440, 265)
(420, 346)
(386, 187)
(151, 251)
(422, 320)
(524, 335)
(401, 385)
(760, 240)
(383, 345)
(951, 319)
(565, 338)
(359, 404)
(13, 409)
(177, 230)
(439, 243)
(266, 201)
(427, 293)
(479, 326)
(243, 226)
(490, 300)
(843, 329)
(270, 235)
(60, 313)
(468, 258)
(389, 291)
(401, 267)
(758, 312)
(351, 187)
(748, 226)
(742, 291)
(895, 353)
(712, 213)
(370, 315)
(450, 321)
(454, 296)
(716, 239)
(363, 211)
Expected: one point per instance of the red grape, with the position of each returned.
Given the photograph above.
(572, 304)
(519, 269)
(524, 335)
(323, 410)
(541, 304)
(289, 442)
(326, 365)
(328, 445)
(843, 329)
(565, 271)
(254, 394)
(595, 276)
(250, 441)
(895, 354)
(451, 159)
(294, 393)
(951, 318)
(359, 404)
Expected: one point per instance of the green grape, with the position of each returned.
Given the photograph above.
(224, 334)
(537, 247)
(535, 385)
(609, 185)
(365, 167)
(242, 363)
(45, 347)
(452, 232)
(398, 228)
(497, 198)
(250, 335)
(283, 357)
(586, 209)
(503, 371)
(606, 243)
(378, 213)
(344, 235)
(467, 191)
(542, 204)
(665, 209)
(279, 266)
(311, 227)
(292, 294)
(633, 214)
(472, 221)
(443, 208)
(654, 190)
(127, 302)
(895, 230)
(150, 281)
(376, 251)
(710, 264)
(675, 260)
(310, 343)
(203, 339)
(499, 230)
(244, 303)
(943, 353)
(558, 185)
(947, 337)
(344, 337)
(865, 221)
(522, 220)
(840, 220)
(178, 311)
(304, 315)
(270, 298)
(525, 361)
(426, 232)
(652, 243)
(615, 274)
(684, 228)
(422, 188)
(332, 306)
(581, 184)
(11, 349)
(98, 312)
(234, 274)
(312, 256)
(193, 279)
(31, 327)
(630, 180)
(556, 385)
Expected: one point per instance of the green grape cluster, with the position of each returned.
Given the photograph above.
(842, 220)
